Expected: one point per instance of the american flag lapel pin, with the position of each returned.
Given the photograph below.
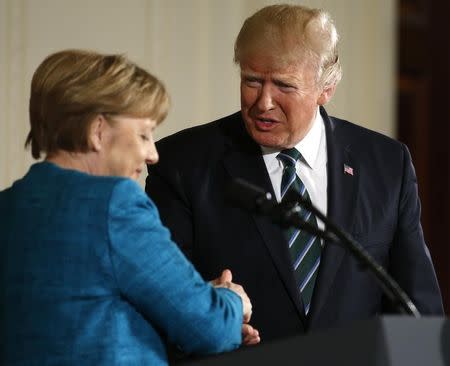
(348, 169)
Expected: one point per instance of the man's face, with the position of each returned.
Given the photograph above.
(278, 104)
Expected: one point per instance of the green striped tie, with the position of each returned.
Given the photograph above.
(304, 248)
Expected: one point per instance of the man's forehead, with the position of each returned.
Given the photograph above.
(276, 71)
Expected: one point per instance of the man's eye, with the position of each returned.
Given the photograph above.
(285, 87)
(252, 82)
(144, 138)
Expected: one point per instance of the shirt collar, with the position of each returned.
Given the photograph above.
(308, 146)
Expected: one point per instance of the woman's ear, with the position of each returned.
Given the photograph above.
(96, 133)
(326, 95)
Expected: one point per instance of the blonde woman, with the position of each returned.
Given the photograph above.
(89, 275)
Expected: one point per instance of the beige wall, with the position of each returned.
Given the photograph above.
(189, 45)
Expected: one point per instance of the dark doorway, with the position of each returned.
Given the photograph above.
(423, 117)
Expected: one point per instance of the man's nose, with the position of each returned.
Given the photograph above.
(265, 100)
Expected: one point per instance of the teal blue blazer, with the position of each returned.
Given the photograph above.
(90, 276)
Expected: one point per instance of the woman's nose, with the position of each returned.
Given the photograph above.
(152, 155)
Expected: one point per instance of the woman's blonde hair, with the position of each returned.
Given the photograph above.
(70, 88)
(293, 33)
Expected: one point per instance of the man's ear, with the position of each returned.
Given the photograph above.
(326, 95)
(96, 133)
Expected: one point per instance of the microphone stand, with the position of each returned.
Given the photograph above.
(287, 214)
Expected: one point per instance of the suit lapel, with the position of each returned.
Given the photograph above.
(343, 177)
(244, 160)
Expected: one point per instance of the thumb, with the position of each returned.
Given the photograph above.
(226, 276)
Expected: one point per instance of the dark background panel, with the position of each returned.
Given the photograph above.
(423, 118)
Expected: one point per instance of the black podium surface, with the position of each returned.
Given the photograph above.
(390, 340)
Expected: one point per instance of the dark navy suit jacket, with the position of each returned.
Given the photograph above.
(89, 276)
(378, 205)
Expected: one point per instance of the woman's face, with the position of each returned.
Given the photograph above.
(128, 146)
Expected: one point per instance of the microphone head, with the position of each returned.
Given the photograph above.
(249, 197)
(293, 198)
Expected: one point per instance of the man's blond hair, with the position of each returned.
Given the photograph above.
(292, 34)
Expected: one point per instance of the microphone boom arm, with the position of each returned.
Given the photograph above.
(286, 213)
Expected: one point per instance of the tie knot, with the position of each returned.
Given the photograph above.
(289, 156)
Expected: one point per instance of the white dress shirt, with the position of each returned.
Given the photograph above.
(313, 174)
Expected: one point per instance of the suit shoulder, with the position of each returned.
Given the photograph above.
(357, 135)
(200, 136)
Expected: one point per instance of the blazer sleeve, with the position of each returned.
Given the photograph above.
(410, 260)
(162, 284)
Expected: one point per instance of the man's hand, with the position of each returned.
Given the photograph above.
(225, 280)
(250, 335)
(225, 277)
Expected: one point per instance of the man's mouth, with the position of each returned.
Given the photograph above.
(267, 120)
(265, 124)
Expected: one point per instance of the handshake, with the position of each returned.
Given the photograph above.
(250, 335)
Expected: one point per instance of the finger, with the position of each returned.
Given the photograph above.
(226, 276)
(248, 330)
(251, 340)
(247, 317)
(250, 335)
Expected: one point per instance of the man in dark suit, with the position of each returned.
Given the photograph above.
(362, 180)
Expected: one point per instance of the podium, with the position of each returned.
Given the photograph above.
(384, 341)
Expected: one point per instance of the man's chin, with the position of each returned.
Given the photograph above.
(268, 140)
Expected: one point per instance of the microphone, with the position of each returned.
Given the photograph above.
(254, 199)
(250, 197)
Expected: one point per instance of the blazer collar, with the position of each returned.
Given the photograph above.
(243, 159)
(343, 177)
